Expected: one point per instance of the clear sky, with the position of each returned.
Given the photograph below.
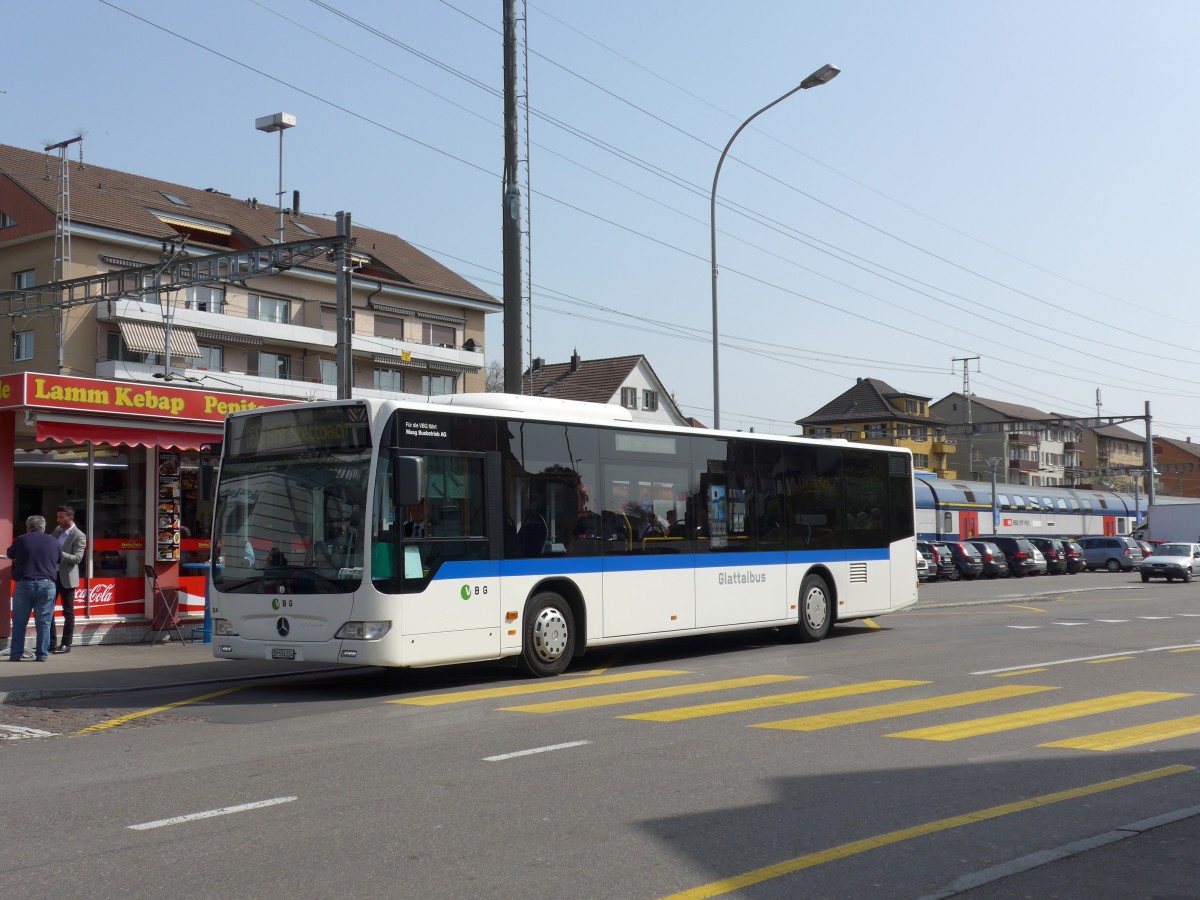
(1015, 181)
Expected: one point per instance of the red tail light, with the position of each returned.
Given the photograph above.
(1128, 552)
(1020, 554)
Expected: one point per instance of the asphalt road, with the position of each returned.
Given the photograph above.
(896, 759)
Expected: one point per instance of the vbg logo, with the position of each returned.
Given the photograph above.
(465, 593)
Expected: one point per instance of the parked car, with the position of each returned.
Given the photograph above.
(1171, 561)
(1075, 561)
(1023, 557)
(995, 563)
(939, 556)
(966, 558)
(924, 569)
(1117, 554)
(946, 567)
(930, 553)
(1052, 549)
(1146, 546)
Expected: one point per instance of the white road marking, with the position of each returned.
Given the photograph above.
(17, 732)
(1154, 618)
(1063, 662)
(1024, 627)
(208, 814)
(1113, 621)
(503, 756)
(1070, 623)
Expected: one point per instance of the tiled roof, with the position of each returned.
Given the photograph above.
(1010, 410)
(867, 401)
(115, 200)
(1186, 446)
(595, 381)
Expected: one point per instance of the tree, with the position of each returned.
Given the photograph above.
(494, 377)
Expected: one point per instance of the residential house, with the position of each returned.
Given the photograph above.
(1025, 445)
(112, 406)
(627, 381)
(874, 412)
(1178, 466)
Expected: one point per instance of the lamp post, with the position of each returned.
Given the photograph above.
(823, 75)
(280, 122)
(993, 462)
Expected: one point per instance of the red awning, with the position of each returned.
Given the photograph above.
(115, 435)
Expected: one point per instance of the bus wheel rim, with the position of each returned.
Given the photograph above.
(550, 635)
(815, 608)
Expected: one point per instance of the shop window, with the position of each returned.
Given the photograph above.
(436, 385)
(269, 309)
(384, 380)
(22, 345)
(23, 281)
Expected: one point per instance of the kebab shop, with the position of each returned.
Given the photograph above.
(138, 463)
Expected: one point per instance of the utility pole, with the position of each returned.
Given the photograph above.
(345, 312)
(1149, 454)
(511, 210)
(62, 232)
(966, 361)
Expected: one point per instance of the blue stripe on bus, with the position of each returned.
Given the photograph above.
(652, 562)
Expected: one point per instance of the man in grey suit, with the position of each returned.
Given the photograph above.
(73, 543)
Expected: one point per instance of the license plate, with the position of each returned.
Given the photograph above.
(283, 653)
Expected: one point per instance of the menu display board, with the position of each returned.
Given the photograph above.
(167, 516)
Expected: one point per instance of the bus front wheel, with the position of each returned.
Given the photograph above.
(816, 610)
(549, 641)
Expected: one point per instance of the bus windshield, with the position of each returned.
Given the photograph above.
(291, 505)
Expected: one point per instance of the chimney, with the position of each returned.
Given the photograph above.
(295, 203)
(575, 360)
(538, 364)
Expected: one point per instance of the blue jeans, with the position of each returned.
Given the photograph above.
(35, 597)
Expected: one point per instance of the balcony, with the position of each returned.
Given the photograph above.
(1023, 465)
(1023, 439)
(944, 447)
(1072, 445)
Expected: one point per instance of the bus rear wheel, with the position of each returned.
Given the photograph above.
(816, 610)
(549, 641)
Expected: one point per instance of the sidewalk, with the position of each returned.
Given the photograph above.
(115, 668)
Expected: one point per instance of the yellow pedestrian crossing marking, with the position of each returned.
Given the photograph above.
(773, 700)
(904, 708)
(537, 687)
(1132, 737)
(649, 694)
(957, 731)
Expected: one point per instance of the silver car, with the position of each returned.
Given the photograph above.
(1171, 561)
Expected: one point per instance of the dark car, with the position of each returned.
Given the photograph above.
(995, 563)
(1022, 556)
(967, 559)
(1075, 561)
(1052, 549)
(943, 562)
(1117, 554)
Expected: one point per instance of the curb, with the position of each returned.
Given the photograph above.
(14, 698)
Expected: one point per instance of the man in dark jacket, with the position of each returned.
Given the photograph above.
(35, 557)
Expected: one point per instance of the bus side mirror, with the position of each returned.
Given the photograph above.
(408, 480)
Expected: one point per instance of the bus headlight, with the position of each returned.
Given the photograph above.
(363, 631)
(224, 627)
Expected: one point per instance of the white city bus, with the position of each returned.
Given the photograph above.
(477, 527)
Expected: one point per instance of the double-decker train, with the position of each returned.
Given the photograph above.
(958, 510)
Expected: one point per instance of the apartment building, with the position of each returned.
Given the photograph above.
(874, 412)
(113, 407)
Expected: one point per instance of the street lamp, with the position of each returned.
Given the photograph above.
(993, 462)
(277, 122)
(823, 75)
